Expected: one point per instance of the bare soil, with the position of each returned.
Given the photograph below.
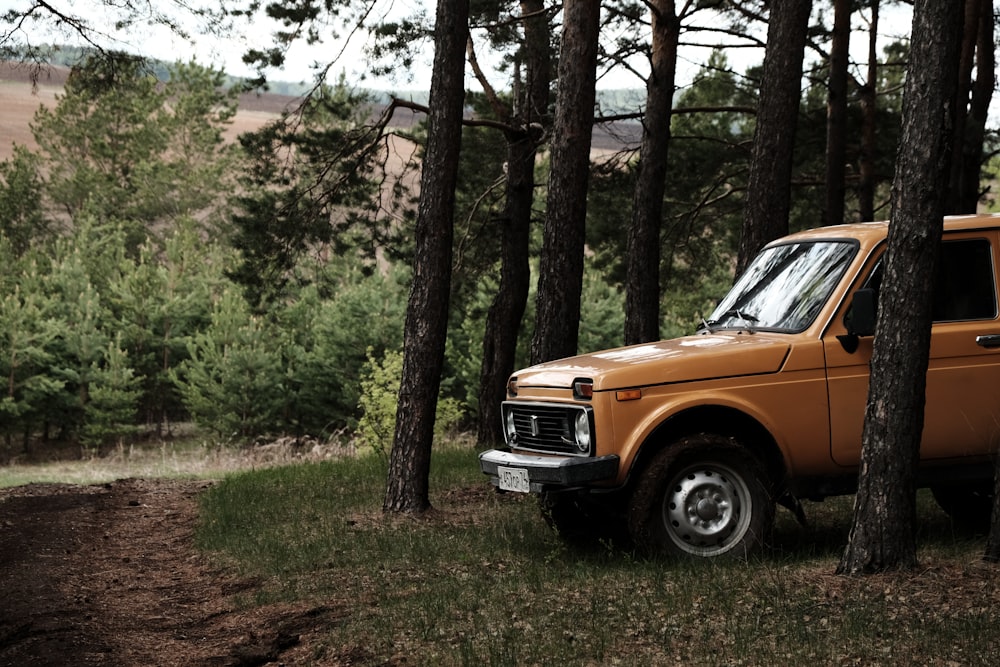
(20, 97)
(109, 575)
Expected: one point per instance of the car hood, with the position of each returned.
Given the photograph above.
(697, 357)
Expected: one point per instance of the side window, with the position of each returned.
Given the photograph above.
(965, 288)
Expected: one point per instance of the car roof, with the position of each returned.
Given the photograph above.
(874, 232)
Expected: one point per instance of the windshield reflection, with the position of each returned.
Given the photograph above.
(784, 288)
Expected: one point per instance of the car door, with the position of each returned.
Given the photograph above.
(962, 410)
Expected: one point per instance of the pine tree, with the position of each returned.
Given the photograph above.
(120, 145)
(233, 383)
(21, 215)
(26, 337)
(109, 414)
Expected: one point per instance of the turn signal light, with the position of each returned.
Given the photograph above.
(629, 394)
(583, 389)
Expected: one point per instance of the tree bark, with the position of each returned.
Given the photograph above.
(992, 553)
(561, 269)
(836, 113)
(970, 33)
(426, 326)
(966, 188)
(882, 535)
(768, 197)
(642, 285)
(503, 320)
(869, 124)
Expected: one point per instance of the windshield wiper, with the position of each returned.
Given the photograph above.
(747, 319)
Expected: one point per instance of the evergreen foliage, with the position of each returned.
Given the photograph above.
(231, 381)
(115, 325)
(307, 186)
(157, 301)
(121, 145)
(21, 216)
(702, 208)
(110, 412)
(26, 336)
(811, 141)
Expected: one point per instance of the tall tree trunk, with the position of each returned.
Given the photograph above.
(768, 197)
(982, 94)
(970, 34)
(507, 309)
(967, 186)
(992, 553)
(504, 317)
(869, 124)
(882, 534)
(642, 257)
(426, 326)
(836, 113)
(561, 270)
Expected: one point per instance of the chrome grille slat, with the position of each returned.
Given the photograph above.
(545, 427)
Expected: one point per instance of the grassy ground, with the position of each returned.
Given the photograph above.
(483, 582)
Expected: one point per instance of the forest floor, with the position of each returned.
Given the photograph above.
(109, 574)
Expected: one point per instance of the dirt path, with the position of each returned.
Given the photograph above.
(108, 575)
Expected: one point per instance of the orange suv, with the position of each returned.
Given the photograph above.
(690, 442)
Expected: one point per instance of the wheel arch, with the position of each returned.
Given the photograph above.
(719, 420)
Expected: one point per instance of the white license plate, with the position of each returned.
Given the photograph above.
(513, 479)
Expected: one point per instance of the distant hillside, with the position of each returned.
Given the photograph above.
(20, 98)
(23, 89)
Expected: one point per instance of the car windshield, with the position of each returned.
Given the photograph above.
(784, 288)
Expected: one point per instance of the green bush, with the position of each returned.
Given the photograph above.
(379, 397)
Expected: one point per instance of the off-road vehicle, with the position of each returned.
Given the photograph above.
(690, 442)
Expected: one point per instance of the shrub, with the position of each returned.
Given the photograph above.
(379, 392)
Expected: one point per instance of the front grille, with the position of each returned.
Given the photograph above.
(544, 427)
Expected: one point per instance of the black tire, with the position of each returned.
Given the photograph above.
(577, 519)
(704, 496)
(970, 504)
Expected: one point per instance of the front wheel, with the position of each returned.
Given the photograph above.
(704, 496)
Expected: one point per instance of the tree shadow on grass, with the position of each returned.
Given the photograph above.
(824, 536)
(826, 532)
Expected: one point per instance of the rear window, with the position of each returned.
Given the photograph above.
(965, 288)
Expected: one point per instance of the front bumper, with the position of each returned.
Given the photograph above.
(550, 471)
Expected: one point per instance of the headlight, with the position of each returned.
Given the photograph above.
(508, 426)
(582, 427)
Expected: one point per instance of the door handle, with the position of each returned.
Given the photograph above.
(992, 340)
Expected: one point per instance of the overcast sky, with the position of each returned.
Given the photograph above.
(226, 53)
(893, 24)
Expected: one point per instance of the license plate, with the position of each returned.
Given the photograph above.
(513, 479)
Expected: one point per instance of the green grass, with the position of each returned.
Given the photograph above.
(483, 581)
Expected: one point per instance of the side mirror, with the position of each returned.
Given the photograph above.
(860, 319)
